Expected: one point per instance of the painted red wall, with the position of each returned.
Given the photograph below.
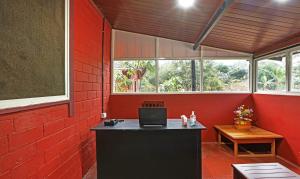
(281, 114)
(211, 109)
(276, 113)
(46, 142)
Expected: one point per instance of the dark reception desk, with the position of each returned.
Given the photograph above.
(127, 151)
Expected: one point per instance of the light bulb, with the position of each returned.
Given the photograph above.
(281, 1)
(186, 3)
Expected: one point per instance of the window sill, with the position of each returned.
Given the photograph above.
(16, 105)
(279, 93)
(180, 93)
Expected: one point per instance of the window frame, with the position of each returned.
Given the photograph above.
(288, 67)
(256, 72)
(200, 59)
(228, 58)
(133, 59)
(291, 71)
(173, 59)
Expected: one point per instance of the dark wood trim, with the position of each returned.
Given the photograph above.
(290, 42)
(99, 10)
(31, 107)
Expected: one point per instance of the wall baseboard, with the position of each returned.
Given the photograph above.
(289, 162)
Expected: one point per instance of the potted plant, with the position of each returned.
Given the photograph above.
(243, 118)
(135, 75)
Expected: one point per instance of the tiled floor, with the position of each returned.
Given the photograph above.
(217, 162)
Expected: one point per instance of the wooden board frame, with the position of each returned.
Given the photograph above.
(15, 105)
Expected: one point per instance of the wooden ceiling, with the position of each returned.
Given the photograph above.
(247, 26)
(251, 25)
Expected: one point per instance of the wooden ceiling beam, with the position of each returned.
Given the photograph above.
(212, 22)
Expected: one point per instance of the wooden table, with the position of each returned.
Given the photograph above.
(253, 136)
(262, 170)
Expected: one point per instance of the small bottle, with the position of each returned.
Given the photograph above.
(193, 119)
(184, 120)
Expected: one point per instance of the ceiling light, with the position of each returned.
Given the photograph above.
(186, 3)
(281, 1)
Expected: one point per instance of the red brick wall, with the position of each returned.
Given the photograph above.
(46, 142)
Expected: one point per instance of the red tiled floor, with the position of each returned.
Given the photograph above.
(216, 163)
(217, 160)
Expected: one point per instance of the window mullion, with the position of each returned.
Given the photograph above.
(253, 75)
(201, 76)
(156, 64)
(193, 70)
(156, 74)
(288, 71)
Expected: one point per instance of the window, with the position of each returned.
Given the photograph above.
(179, 75)
(275, 73)
(134, 76)
(271, 74)
(295, 69)
(226, 75)
(184, 75)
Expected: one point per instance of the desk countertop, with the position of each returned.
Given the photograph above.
(133, 124)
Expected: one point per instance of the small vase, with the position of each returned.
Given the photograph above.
(242, 124)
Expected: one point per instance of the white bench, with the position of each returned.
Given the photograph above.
(262, 171)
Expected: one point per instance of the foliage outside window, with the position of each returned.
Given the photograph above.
(180, 75)
(271, 74)
(176, 76)
(226, 75)
(295, 82)
(134, 76)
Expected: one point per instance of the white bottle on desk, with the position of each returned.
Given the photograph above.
(184, 120)
(193, 119)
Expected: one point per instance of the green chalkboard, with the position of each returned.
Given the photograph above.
(32, 48)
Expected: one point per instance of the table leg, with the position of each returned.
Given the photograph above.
(236, 149)
(219, 138)
(237, 174)
(273, 148)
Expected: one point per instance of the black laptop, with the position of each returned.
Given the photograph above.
(152, 114)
